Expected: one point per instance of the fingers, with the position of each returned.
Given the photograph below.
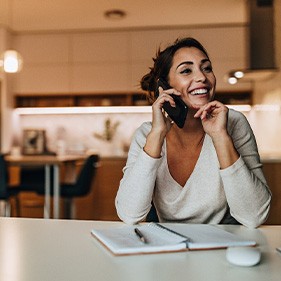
(210, 110)
(169, 91)
(165, 96)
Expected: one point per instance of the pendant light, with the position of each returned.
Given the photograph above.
(11, 61)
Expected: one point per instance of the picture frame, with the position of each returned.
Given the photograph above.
(34, 141)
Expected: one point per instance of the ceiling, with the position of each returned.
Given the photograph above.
(22, 16)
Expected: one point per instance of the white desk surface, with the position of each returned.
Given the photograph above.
(61, 250)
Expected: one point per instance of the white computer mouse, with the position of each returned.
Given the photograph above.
(243, 256)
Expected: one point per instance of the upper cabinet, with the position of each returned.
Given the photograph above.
(109, 65)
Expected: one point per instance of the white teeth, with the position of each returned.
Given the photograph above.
(199, 92)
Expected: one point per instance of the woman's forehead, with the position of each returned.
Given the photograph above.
(189, 54)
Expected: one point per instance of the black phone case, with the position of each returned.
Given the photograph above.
(178, 113)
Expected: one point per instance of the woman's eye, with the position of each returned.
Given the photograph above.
(186, 71)
(208, 69)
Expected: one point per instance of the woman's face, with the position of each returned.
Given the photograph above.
(191, 74)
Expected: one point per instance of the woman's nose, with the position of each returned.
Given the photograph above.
(200, 76)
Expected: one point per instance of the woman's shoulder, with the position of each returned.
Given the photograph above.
(236, 117)
(238, 123)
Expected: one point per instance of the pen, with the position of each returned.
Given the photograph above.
(140, 235)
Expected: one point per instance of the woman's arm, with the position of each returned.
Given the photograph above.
(214, 117)
(245, 186)
(134, 196)
(133, 200)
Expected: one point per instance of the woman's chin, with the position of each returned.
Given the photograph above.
(197, 102)
(195, 106)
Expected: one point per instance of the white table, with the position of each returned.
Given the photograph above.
(61, 250)
(47, 161)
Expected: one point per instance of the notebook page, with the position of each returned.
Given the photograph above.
(205, 236)
(123, 240)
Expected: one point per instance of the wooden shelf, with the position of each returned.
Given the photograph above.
(94, 99)
(235, 98)
(111, 99)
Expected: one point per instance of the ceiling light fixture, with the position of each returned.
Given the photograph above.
(11, 61)
(115, 14)
(233, 76)
(261, 53)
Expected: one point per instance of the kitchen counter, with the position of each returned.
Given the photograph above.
(271, 157)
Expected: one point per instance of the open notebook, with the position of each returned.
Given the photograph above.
(166, 238)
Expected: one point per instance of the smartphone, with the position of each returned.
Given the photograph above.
(178, 113)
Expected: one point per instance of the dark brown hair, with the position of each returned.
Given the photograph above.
(163, 62)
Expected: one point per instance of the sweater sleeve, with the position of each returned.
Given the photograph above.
(245, 186)
(134, 196)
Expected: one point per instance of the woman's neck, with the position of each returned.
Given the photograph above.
(192, 134)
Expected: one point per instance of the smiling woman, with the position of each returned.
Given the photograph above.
(209, 170)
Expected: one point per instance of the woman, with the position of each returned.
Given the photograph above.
(209, 171)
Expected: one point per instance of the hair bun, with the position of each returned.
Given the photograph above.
(148, 82)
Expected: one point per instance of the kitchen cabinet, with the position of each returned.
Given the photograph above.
(100, 203)
(272, 172)
(111, 99)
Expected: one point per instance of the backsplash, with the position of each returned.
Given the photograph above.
(82, 132)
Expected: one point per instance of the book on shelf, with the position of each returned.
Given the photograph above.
(166, 237)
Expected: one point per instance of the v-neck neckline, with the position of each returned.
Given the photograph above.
(195, 167)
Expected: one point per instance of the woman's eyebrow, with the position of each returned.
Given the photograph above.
(190, 62)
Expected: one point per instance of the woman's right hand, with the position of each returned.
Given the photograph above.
(160, 121)
(161, 124)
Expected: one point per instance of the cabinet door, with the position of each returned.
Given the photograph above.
(100, 203)
(272, 172)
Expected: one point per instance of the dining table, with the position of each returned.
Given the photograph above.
(47, 161)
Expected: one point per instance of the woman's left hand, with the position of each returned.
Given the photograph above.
(214, 118)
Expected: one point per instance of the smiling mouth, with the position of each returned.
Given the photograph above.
(199, 92)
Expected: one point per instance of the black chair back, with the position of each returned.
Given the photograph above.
(87, 173)
(84, 179)
(152, 214)
(3, 178)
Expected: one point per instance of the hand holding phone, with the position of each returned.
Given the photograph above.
(178, 113)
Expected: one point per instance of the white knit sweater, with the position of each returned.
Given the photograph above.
(210, 195)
